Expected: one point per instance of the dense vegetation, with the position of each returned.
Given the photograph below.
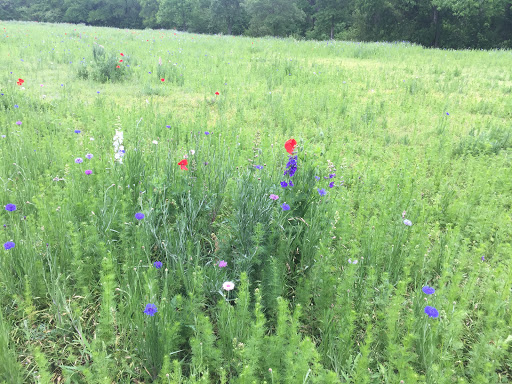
(156, 227)
(433, 23)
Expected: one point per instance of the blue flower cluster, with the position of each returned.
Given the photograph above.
(291, 168)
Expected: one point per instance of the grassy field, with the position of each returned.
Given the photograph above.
(401, 186)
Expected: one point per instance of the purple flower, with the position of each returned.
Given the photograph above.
(428, 290)
(168, 126)
(9, 245)
(273, 197)
(447, 114)
(331, 184)
(483, 258)
(88, 172)
(139, 216)
(321, 192)
(16, 106)
(79, 160)
(150, 310)
(77, 131)
(284, 184)
(332, 175)
(290, 184)
(317, 178)
(97, 91)
(291, 166)
(157, 264)
(222, 264)
(18, 122)
(431, 311)
(285, 207)
(207, 133)
(89, 156)
(408, 222)
(10, 207)
(258, 166)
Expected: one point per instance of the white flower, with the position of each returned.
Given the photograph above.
(228, 286)
(155, 142)
(192, 152)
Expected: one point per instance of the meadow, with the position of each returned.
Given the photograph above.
(159, 223)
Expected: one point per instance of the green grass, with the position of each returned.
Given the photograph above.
(402, 128)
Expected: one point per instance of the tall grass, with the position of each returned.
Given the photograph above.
(329, 291)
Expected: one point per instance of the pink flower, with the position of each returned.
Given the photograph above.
(273, 197)
(222, 264)
(88, 172)
(228, 286)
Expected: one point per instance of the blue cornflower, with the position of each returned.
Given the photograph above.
(290, 184)
(317, 178)
(285, 207)
(157, 264)
(321, 192)
(150, 309)
(447, 114)
(258, 166)
(139, 216)
(284, 184)
(89, 156)
(483, 258)
(10, 207)
(428, 290)
(331, 184)
(332, 175)
(431, 311)
(408, 222)
(207, 133)
(79, 160)
(16, 106)
(167, 126)
(77, 131)
(9, 245)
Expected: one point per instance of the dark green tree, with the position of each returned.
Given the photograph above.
(273, 17)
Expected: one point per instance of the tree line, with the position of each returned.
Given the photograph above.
(433, 23)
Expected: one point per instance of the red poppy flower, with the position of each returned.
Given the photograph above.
(122, 54)
(217, 93)
(120, 61)
(162, 80)
(290, 146)
(117, 66)
(20, 81)
(183, 163)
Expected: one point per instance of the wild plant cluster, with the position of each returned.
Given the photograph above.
(251, 211)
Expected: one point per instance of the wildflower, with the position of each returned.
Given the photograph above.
(317, 178)
(117, 66)
(431, 311)
(273, 197)
(77, 131)
(18, 122)
(331, 184)
(183, 164)
(120, 61)
(155, 142)
(284, 184)
(217, 93)
(222, 264)
(10, 207)
(483, 258)
(321, 192)
(9, 245)
(291, 166)
(352, 262)
(290, 146)
(168, 126)
(290, 184)
(285, 207)
(89, 156)
(258, 166)
(122, 54)
(157, 264)
(139, 215)
(403, 214)
(162, 80)
(228, 286)
(79, 160)
(428, 290)
(20, 81)
(332, 175)
(16, 106)
(150, 310)
(207, 133)
(192, 152)
(447, 114)
(88, 172)
(408, 222)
